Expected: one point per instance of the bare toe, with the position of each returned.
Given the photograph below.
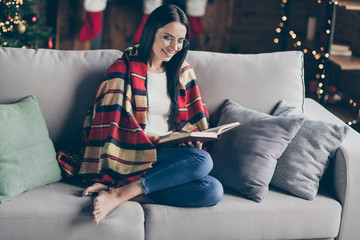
(95, 188)
(104, 204)
(96, 221)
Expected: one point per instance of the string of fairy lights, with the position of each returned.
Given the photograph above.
(12, 21)
(321, 55)
(15, 20)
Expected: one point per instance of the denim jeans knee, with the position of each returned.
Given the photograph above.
(204, 163)
(215, 191)
(204, 192)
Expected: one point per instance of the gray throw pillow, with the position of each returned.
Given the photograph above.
(245, 157)
(304, 162)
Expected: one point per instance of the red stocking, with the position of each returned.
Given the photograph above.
(93, 23)
(92, 26)
(195, 26)
(149, 6)
(138, 32)
(195, 10)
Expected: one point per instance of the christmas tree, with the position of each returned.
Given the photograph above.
(21, 27)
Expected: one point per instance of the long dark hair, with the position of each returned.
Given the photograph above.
(161, 16)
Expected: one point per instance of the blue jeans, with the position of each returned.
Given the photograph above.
(180, 178)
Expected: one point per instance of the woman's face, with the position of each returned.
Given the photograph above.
(168, 41)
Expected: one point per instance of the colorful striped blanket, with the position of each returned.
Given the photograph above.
(113, 148)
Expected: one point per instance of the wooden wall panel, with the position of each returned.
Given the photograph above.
(216, 24)
(121, 19)
(236, 26)
(70, 18)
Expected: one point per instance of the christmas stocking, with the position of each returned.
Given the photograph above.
(149, 6)
(195, 9)
(93, 23)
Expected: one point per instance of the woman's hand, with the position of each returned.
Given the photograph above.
(197, 144)
(153, 139)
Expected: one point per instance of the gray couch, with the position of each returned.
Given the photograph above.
(65, 82)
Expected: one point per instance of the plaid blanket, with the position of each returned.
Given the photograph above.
(113, 147)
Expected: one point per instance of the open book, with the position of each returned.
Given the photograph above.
(203, 136)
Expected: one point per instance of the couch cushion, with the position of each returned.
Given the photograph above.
(245, 157)
(256, 81)
(279, 216)
(58, 211)
(64, 83)
(27, 154)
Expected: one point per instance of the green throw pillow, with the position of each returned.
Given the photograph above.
(27, 154)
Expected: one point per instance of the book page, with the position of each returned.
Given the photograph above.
(192, 136)
(206, 135)
(223, 128)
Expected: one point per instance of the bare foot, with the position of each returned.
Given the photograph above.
(105, 203)
(95, 188)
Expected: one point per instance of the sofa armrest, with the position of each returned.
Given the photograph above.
(345, 172)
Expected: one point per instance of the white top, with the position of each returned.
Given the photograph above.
(159, 104)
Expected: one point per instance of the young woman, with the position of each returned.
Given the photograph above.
(150, 91)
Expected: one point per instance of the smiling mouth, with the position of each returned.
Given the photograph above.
(168, 53)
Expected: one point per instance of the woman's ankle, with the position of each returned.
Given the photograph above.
(128, 191)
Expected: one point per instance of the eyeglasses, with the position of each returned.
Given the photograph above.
(169, 40)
